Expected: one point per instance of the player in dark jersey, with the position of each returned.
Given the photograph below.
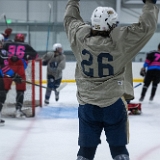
(152, 63)
(19, 53)
(5, 69)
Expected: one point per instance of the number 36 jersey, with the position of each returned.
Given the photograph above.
(101, 61)
(20, 50)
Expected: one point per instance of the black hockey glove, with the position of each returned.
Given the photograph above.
(154, 1)
(17, 78)
(45, 63)
(142, 72)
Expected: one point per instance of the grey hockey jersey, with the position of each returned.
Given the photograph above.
(60, 61)
(101, 71)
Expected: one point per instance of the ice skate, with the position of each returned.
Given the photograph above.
(46, 102)
(151, 99)
(122, 157)
(2, 122)
(141, 99)
(81, 158)
(19, 114)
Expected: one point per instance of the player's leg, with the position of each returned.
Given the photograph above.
(153, 91)
(20, 89)
(156, 80)
(57, 84)
(50, 87)
(19, 104)
(119, 152)
(147, 81)
(2, 99)
(90, 128)
(116, 129)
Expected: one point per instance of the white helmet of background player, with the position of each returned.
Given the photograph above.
(1, 40)
(57, 47)
(104, 19)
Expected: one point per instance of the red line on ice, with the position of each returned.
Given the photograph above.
(20, 143)
(147, 153)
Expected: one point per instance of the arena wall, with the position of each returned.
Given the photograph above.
(68, 72)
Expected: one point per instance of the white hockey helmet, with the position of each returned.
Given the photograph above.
(1, 39)
(56, 46)
(104, 18)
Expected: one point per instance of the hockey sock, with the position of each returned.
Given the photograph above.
(144, 91)
(118, 150)
(19, 99)
(87, 152)
(48, 94)
(153, 91)
(1, 106)
(2, 99)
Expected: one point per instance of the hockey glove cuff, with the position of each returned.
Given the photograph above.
(154, 1)
(142, 72)
(17, 78)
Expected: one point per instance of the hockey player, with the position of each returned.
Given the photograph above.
(5, 69)
(19, 53)
(102, 51)
(55, 62)
(152, 63)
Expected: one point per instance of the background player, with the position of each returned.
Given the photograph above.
(55, 62)
(19, 54)
(5, 69)
(102, 51)
(152, 63)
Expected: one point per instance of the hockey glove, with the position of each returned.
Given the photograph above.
(8, 31)
(154, 1)
(44, 63)
(142, 72)
(17, 78)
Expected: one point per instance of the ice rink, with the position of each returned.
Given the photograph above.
(53, 133)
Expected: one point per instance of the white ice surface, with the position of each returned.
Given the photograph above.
(53, 133)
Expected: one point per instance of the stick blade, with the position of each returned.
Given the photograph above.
(61, 86)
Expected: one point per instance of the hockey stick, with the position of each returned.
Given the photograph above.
(5, 19)
(58, 89)
(2, 16)
(139, 84)
(61, 86)
(48, 26)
